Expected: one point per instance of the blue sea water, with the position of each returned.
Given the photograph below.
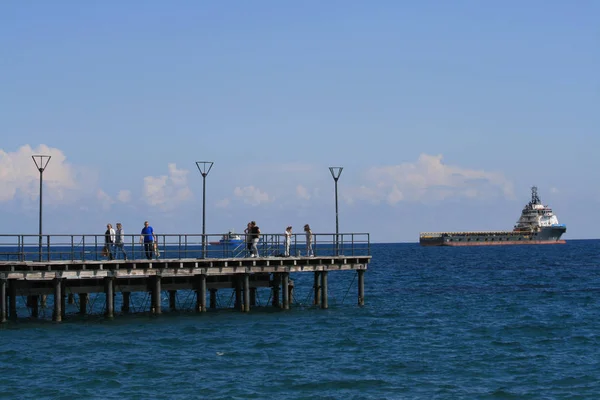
(500, 322)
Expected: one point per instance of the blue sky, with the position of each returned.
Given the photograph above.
(443, 114)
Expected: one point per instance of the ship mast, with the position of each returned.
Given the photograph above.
(535, 199)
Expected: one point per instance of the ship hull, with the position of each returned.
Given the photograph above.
(546, 235)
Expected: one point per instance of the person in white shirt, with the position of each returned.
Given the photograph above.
(309, 239)
(109, 239)
(120, 241)
(288, 240)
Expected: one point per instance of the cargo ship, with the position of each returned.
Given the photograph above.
(537, 225)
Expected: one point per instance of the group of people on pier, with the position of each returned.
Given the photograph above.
(114, 242)
(252, 232)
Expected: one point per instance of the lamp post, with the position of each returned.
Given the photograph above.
(335, 173)
(204, 168)
(41, 162)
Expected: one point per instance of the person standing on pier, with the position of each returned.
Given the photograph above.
(255, 234)
(288, 240)
(309, 239)
(120, 241)
(109, 239)
(148, 238)
(248, 232)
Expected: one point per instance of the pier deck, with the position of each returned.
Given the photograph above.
(61, 278)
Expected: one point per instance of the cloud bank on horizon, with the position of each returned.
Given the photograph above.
(424, 180)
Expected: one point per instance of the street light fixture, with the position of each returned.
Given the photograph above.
(335, 173)
(41, 162)
(204, 168)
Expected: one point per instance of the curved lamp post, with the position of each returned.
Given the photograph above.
(41, 162)
(335, 173)
(204, 168)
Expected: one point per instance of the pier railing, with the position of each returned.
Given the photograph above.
(84, 247)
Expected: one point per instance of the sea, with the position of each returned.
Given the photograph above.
(498, 322)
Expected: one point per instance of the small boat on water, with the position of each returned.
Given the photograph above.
(229, 239)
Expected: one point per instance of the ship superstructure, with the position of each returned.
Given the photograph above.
(537, 225)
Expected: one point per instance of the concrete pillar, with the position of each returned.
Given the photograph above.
(285, 279)
(173, 300)
(110, 297)
(2, 301)
(71, 299)
(275, 285)
(63, 298)
(238, 293)
(246, 292)
(317, 288)
(213, 298)
(201, 293)
(126, 300)
(43, 301)
(12, 300)
(252, 296)
(34, 304)
(361, 287)
(324, 290)
(58, 300)
(83, 302)
(291, 291)
(156, 289)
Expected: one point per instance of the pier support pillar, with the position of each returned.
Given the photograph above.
(361, 287)
(12, 300)
(2, 301)
(252, 296)
(201, 293)
(173, 300)
(213, 298)
(35, 306)
(156, 289)
(290, 291)
(71, 299)
(126, 301)
(63, 298)
(285, 280)
(275, 285)
(246, 292)
(238, 293)
(317, 288)
(83, 302)
(110, 297)
(43, 301)
(324, 290)
(58, 300)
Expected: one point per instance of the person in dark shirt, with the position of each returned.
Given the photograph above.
(109, 239)
(148, 238)
(255, 234)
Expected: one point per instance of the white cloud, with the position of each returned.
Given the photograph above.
(124, 196)
(395, 196)
(19, 176)
(224, 203)
(167, 191)
(302, 192)
(104, 199)
(428, 179)
(252, 195)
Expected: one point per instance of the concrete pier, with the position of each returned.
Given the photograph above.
(203, 277)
